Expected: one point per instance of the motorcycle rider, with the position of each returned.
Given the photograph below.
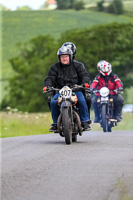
(86, 91)
(106, 78)
(74, 49)
(67, 72)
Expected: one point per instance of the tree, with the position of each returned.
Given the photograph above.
(67, 4)
(78, 5)
(116, 7)
(31, 68)
(100, 5)
(61, 4)
(111, 9)
(111, 42)
(119, 6)
(72, 3)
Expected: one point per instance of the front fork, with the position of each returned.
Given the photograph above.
(99, 103)
(109, 111)
(67, 105)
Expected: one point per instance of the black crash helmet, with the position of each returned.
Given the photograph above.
(72, 47)
(64, 50)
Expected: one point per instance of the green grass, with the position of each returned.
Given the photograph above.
(22, 124)
(18, 124)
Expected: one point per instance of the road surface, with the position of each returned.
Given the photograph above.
(99, 166)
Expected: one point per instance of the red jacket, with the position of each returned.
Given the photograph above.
(112, 82)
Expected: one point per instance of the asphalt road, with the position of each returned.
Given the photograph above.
(97, 167)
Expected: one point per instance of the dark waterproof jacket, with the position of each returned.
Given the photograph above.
(60, 75)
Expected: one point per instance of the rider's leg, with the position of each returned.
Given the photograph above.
(96, 111)
(82, 106)
(118, 104)
(88, 102)
(87, 96)
(55, 111)
(49, 98)
(121, 103)
(83, 110)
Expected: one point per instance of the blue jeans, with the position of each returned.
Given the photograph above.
(82, 106)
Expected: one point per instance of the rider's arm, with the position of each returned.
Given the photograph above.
(117, 81)
(82, 73)
(52, 76)
(95, 82)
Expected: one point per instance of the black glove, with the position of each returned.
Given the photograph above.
(87, 95)
(120, 89)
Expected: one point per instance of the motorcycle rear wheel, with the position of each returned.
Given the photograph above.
(67, 126)
(104, 118)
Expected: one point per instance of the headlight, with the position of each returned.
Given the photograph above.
(104, 91)
(74, 99)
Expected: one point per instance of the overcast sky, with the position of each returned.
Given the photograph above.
(13, 4)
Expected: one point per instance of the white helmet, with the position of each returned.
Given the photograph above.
(104, 67)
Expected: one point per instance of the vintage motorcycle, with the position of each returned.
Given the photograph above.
(106, 107)
(68, 123)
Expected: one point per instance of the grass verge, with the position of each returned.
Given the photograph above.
(22, 124)
(18, 124)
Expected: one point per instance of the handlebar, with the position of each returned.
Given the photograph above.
(116, 91)
(50, 89)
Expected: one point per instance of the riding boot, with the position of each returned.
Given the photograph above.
(86, 126)
(118, 104)
(117, 113)
(53, 128)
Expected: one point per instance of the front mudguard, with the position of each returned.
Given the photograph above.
(64, 105)
(67, 105)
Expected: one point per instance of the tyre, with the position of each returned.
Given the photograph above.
(67, 127)
(104, 118)
(110, 128)
(74, 138)
(78, 122)
(59, 125)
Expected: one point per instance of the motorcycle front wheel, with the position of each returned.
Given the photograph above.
(67, 126)
(110, 128)
(74, 138)
(104, 118)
